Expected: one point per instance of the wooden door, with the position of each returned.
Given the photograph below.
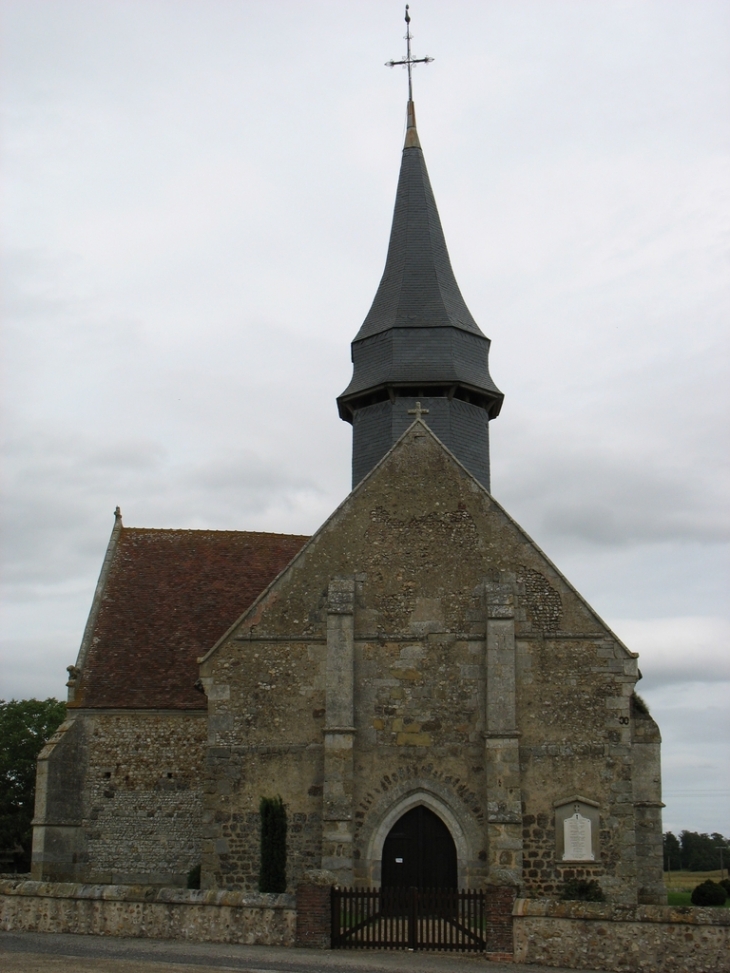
(419, 852)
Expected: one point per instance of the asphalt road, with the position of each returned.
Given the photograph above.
(27, 952)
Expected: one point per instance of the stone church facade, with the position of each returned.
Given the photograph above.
(417, 680)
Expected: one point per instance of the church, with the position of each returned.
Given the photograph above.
(434, 702)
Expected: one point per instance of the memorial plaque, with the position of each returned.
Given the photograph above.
(577, 842)
(577, 829)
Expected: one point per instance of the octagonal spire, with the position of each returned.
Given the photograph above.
(419, 341)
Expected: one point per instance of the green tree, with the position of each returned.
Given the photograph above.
(701, 852)
(272, 877)
(25, 726)
(672, 853)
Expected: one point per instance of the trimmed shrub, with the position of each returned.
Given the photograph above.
(726, 885)
(194, 878)
(583, 890)
(272, 876)
(709, 893)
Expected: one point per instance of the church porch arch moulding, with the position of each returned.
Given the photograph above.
(466, 832)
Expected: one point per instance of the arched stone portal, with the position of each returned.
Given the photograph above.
(419, 852)
(465, 830)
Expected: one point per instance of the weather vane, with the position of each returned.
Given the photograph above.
(409, 61)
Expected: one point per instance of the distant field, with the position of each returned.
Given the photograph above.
(680, 884)
(686, 881)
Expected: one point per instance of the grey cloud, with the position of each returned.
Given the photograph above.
(61, 490)
(633, 512)
(53, 483)
(683, 730)
(679, 652)
(622, 491)
(190, 251)
(244, 473)
(695, 724)
(33, 668)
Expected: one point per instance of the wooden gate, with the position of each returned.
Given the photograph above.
(401, 918)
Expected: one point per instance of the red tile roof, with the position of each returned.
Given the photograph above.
(169, 596)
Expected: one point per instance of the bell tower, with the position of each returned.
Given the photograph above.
(419, 350)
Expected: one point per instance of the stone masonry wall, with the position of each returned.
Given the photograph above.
(575, 721)
(143, 911)
(142, 819)
(137, 816)
(266, 706)
(624, 939)
(237, 780)
(424, 549)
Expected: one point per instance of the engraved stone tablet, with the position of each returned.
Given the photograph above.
(577, 839)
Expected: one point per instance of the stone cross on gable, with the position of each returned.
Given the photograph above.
(418, 411)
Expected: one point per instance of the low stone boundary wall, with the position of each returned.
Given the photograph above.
(146, 911)
(624, 939)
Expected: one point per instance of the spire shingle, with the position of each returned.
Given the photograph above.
(419, 339)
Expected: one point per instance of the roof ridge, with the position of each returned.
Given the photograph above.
(208, 530)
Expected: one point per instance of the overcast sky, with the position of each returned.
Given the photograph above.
(196, 201)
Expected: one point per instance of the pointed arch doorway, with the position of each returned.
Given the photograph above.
(419, 852)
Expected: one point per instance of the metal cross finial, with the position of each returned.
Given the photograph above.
(418, 411)
(409, 61)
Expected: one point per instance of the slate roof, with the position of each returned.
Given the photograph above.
(419, 333)
(169, 596)
(406, 357)
(418, 288)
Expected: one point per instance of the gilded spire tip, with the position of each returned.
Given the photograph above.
(412, 141)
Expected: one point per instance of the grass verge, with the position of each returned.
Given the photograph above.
(685, 898)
